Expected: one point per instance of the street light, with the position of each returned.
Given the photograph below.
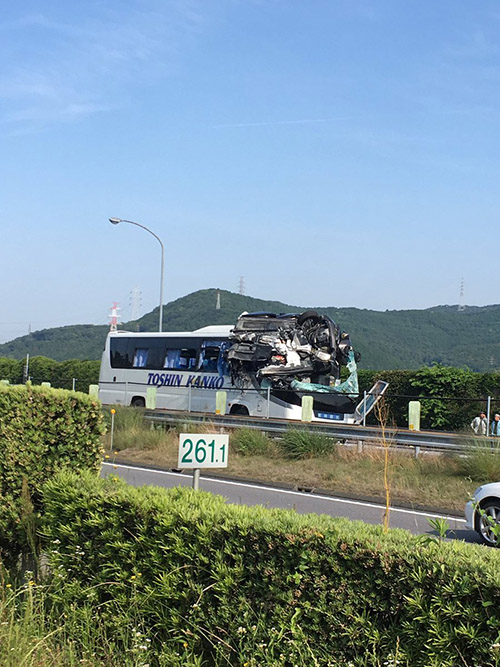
(116, 221)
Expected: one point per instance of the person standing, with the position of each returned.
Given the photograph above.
(495, 426)
(480, 424)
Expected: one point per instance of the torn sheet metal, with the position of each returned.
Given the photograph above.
(299, 352)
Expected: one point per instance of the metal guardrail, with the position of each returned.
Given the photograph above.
(437, 441)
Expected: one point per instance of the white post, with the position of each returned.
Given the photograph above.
(189, 398)
(364, 410)
(26, 369)
(73, 388)
(488, 416)
(196, 479)
(268, 402)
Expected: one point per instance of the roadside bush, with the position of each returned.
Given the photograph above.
(59, 373)
(250, 442)
(300, 444)
(41, 432)
(229, 585)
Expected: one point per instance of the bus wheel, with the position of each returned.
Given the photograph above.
(239, 410)
(138, 402)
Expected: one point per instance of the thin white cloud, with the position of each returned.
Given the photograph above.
(304, 121)
(84, 58)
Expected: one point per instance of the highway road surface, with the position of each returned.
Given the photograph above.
(248, 493)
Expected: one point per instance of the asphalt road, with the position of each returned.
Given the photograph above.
(255, 494)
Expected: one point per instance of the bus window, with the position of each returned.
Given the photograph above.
(119, 354)
(183, 359)
(209, 356)
(140, 357)
(172, 359)
(187, 359)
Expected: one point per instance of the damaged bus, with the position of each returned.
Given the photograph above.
(265, 363)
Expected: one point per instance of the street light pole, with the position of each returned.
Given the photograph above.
(116, 221)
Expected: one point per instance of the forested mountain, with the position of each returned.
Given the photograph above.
(390, 339)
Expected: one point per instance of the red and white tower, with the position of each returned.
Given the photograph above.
(113, 326)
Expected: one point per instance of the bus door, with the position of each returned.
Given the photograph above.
(372, 397)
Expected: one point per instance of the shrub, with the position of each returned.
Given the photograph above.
(250, 442)
(232, 585)
(41, 432)
(300, 444)
(58, 373)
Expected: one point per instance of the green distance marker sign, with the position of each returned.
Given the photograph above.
(203, 450)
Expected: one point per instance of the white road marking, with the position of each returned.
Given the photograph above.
(346, 501)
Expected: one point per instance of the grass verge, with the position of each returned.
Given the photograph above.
(300, 459)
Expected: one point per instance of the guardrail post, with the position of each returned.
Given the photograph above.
(73, 388)
(189, 398)
(268, 402)
(151, 398)
(414, 415)
(220, 402)
(364, 411)
(307, 408)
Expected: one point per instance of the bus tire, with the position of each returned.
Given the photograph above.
(241, 410)
(138, 402)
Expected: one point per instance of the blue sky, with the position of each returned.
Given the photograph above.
(332, 152)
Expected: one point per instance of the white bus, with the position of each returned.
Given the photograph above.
(188, 368)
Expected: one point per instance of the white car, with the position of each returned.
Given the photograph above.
(486, 498)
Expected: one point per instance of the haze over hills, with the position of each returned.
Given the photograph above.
(387, 340)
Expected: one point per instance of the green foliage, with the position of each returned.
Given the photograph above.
(391, 339)
(42, 431)
(251, 442)
(441, 526)
(60, 374)
(440, 381)
(11, 370)
(231, 585)
(301, 444)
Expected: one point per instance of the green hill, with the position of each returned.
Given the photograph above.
(390, 339)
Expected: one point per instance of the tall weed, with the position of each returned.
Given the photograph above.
(299, 444)
(250, 442)
(481, 462)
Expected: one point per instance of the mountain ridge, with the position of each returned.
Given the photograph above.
(389, 339)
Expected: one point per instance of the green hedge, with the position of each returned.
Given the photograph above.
(450, 397)
(207, 583)
(59, 373)
(41, 432)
